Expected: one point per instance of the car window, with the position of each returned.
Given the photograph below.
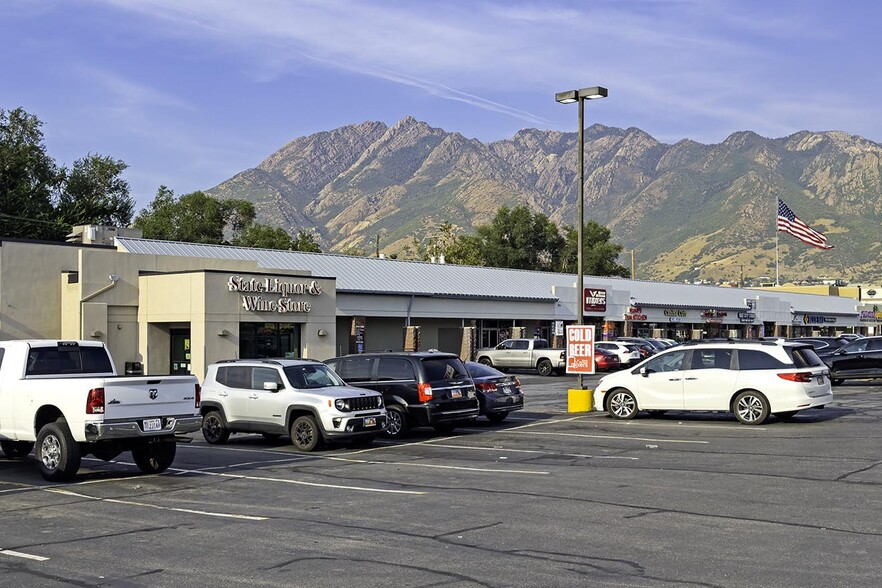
(444, 368)
(312, 376)
(540, 344)
(355, 368)
(479, 370)
(237, 376)
(395, 368)
(259, 375)
(753, 359)
(668, 362)
(507, 344)
(67, 360)
(803, 358)
(520, 345)
(632, 348)
(875, 345)
(856, 346)
(703, 359)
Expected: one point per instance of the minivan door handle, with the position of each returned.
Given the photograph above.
(691, 378)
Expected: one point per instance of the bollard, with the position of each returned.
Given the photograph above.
(580, 400)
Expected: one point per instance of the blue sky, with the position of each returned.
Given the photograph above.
(190, 92)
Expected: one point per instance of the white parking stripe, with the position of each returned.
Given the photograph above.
(539, 451)
(23, 555)
(156, 506)
(300, 483)
(442, 467)
(605, 437)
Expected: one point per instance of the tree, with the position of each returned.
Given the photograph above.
(305, 241)
(447, 241)
(28, 177)
(519, 239)
(194, 218)
(599, 254)
(93, 192)
(266, 237)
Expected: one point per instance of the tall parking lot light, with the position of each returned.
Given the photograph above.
(568, 97)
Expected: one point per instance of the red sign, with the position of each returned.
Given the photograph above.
(580, 349)
(595, 300)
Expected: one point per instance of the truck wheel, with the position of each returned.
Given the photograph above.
(486, 361)
(155, 457)
(214, 430)
(16, 449)
(305, 434)
(545, 368)
(58, 453)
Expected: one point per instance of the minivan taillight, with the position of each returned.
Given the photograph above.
(95, 401)
(198, 394)
(425, 391)
(804, 377)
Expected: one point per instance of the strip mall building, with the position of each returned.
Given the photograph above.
(176, 307)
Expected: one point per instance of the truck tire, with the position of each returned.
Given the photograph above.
(545, 368)
(397, 425)
(16, 449)
(59, 455)
(214, 428)
(155, 457)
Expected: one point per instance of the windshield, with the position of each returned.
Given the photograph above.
(312, 376)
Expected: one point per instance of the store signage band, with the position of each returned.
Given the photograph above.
(675, 312)
(254, 288)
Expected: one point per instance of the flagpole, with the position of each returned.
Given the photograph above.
(777, 281)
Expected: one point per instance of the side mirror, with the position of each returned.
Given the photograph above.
(272, 386)
(500, 346)
(644, 372)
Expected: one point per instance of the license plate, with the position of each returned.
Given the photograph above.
(456, 393)
(370, 421)
(152, 424)
(506, 390)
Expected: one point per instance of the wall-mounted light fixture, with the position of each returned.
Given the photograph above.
(223, 333)
(322, 333)
(96, 334)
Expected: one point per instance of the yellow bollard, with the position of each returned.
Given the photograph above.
(580, 400)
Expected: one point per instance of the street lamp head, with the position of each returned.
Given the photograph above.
(567, 97)
(571, 96)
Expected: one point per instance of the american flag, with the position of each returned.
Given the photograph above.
(789, 223)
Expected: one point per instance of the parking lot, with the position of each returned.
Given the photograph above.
(546, 498)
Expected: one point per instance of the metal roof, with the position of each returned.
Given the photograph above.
(370, 275)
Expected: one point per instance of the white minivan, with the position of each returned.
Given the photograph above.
(751, 379)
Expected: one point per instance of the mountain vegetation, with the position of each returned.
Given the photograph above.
(688, 211)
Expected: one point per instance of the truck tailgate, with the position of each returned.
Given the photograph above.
(156, 396)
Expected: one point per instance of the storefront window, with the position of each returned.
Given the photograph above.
(259, 340)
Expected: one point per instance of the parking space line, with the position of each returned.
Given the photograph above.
(583, 435)
(156, 506)
(533, 451)
(23, 555)
(733, 427)
(442, 467)
(299, 482)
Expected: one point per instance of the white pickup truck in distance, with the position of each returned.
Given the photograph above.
(526, 354)
(66, 397)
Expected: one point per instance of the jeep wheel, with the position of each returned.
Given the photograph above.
(155, 457)
(214, 429)
(545, 368)
(305, 434)
(16, 449)
(396, 422)
(751, 408)
(58, 453)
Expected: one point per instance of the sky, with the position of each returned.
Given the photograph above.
(190, 92)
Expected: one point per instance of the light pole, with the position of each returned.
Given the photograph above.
(568, 97)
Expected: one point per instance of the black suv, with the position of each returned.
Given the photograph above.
(419, 388)
(861, 358)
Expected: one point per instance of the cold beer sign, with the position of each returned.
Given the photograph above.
(580, 349)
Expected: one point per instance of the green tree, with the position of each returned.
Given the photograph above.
(194, 217)
(599, 254)
(449, 241)
(305, 241)
(94, 192)
(519, 239)
(28, 178)
(267, 237)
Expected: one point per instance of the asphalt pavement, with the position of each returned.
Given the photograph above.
(546, 498)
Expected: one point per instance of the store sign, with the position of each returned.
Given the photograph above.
(750, 303)
(675, 319)
(874, 315)
(595, 300)
(746, 317)
(254, 289)
(580, 349)
(675, 312)
(635, 316)
(713, 313)
(817, 319)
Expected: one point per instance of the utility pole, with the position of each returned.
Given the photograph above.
(632, 264)
(741, 282)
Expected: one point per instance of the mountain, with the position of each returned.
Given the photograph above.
(689, 210)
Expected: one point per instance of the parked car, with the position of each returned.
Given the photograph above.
(749, 379)
(605, 361)
(498, 393)
(301, 398)
(644, 347)
(823, 343)
(629, 354)
(861, 358)
(420, 389)
(525, 353)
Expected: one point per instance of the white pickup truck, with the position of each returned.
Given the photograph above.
(66, 397)
(524, 353)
